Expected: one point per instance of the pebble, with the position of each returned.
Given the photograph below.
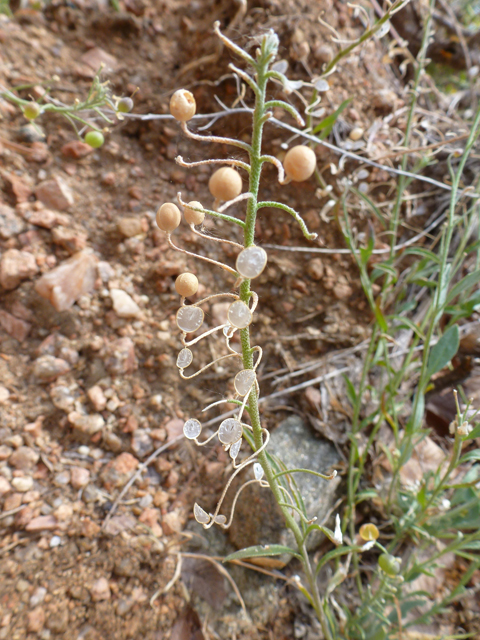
(16, 328)
(16, 266)
(36, 620)
(44, 218)
(22, 484)
(48, 368)
(97, 397)
(10, 224)
(171, 523)
(72, 240)
(118, 471)
(4, 395)
(130, 227)
(315, 268)
(100, 590)
(58, 619)
(127, 566)
(121, 358)
(79, 477)
(97, 57)
(24, 458)
(73, 278)
(20, 189)
(55, 194)
(63, 398)
(5, 452)
(123, 304)
(88, 424)
(356, 133)
(141, 443)
(13, 501)
(55, 541)
(76, 149)
(38, 596)
(5, 487)
(42, 523)
(342, 289)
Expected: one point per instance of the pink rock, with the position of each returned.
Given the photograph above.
(96, 57)
(100, 590)
(36, 620)
(4, 486)
(44, 218)
(70, 280)
(24, 458)
(15, 267)
(79, 477)
(97, 397)
(18, 329)
(121, 357)
(48, 368)
(76, 149)
(125, 463)
(70, 239)
(21, 191)
(55, 193)
(42, 523)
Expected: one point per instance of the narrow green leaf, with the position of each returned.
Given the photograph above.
(261, 551)
(326, 125)
(424, 253)
(468, 281)
(443, 351)
(406, 322)
(470, 455)
(474, 434)
(350, 389)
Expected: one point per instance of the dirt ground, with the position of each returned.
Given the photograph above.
(67, 451)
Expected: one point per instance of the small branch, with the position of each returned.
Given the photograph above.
(288, 108)
(204, 258)
(279, 165)
(218, 139)
(293, 213)
(237, 163)
(210, 212)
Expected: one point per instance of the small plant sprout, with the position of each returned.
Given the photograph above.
(226, 186)
(182, 105)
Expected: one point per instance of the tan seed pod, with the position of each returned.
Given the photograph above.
(300, 163)
(182, 105)
(192, 216)
(168, 217)
(225, 184)
(186, 285)
(356, 134)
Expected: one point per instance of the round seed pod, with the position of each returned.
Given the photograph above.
(186, 285)
(369, 532)
(389, 564)
(182, 105)
(168, 217)
(32, 110)
(300, 163)
(94, 139)
(192, 216)
(125, 105)
(225, 184)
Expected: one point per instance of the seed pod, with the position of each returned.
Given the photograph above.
(186, 285)
(300, 163)
(239, 315)
(251, 262)
(189, 318)
(225, 184)
(125, 105)
(182, 105)
(369, 532)
(94, 139)
(168, 217)
(389, 564)
(192, 429)
(32, 110)
(192, 216)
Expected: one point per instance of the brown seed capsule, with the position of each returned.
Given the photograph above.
(192, 216)
(182, 105)
(225, 184)
(300, 163)
(186, 285)
(168, 217)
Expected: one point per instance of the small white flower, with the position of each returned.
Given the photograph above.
(465, 429)
(368, 545)
(337, 536)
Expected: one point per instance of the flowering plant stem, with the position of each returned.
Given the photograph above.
(265, 56)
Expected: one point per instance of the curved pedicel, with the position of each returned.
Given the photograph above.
(207, 366)
(196, 255)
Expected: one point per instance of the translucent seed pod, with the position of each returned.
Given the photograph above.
(182, 105)
(186, 285)
(239, 315)
(192, 429)
(184, 358)
(258, 471)
(230, 431)
(244, 381)
(251, 262)
(234, 449)
(219, 519)
(228, 331)
(192, 216)
(189, 318)
(168, 217)
(201, 516)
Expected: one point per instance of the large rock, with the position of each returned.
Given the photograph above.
(16, 266)
(70, 280)
(55, 194)
(258, 519)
